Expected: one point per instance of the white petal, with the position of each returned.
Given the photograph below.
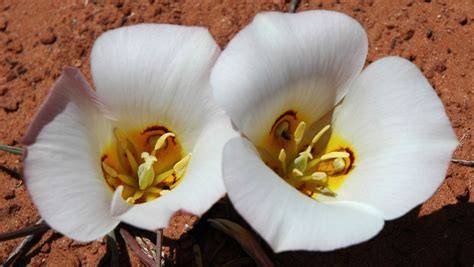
(401, 134)
(62, 165)
(285, 218)
(119, 206)
(156, 74)
(285, 61)
(202, 185)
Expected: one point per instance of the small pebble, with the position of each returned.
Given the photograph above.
(3, 24)
(48, 38)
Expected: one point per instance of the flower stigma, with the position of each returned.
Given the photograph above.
(148, 164)
(313, 164)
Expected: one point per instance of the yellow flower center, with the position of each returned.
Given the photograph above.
(307, 162)
(148, 164)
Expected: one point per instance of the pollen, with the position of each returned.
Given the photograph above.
(147, 163)
(315, 167)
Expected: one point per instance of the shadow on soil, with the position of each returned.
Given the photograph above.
(445, 237)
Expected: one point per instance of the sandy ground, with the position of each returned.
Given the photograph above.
(39, 38)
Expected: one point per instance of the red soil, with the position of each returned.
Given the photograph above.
(39, 38)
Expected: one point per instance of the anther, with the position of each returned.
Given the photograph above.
(109, 170)
(127, 179)
(320, 134)
(282, 130)
(299, 132)
(326, 191)
(180, 166)
(319, 176)
(335, 154)
(282, 159)
(121, 138)
(164, 192)
(162, 176)
(297, 172)
(339, 164)
(162, 140)
(137, 195)
(126, 146)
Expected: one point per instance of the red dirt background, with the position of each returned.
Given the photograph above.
(39, 38)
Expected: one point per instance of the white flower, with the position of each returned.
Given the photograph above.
(145, 144)
(360, 147)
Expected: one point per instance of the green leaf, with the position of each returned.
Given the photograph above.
(11, 149)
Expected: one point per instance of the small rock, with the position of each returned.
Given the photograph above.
(21, 70)
(15, 47)
(11, 76)
(408, 35)
(390, 26)
(118, 3)
(45, 248)
(3, 24)
(463, 20)
(13, 209)
(37, 79)
(48, 38)
(9, 195)
(439, 68)
(429, 34)
(77, 63)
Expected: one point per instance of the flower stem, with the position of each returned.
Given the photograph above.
(113, 250)
(135, 247)
(29, 230)
(293, 5)
(159, 246)
(11, 149)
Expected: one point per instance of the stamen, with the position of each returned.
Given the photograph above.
(162, 176)
(326, 191)
(128, 191)
(180, 166)
(335, 154)
(320, 134)
(112, 181)
(128, 179)
(164, 192)
(126, 145)
(162, 140)
(299, 132)
(135, 197)
(146, 173)
(319, 176)
(149, 197)
(131, 160)
(122, 140)
(282, 159)
(109, 170)
(153, 190)
(297, 172)
(313, 163)
(339, 164)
